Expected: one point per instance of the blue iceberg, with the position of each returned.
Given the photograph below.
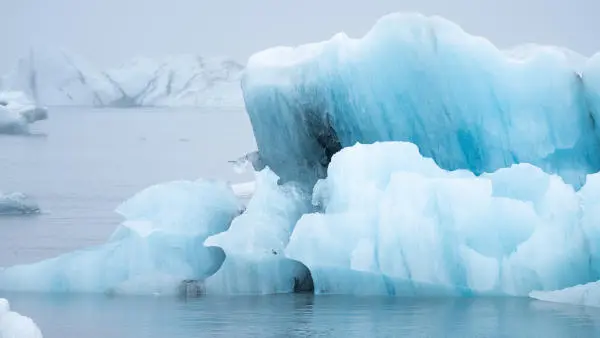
(393, 223)
(423, 80)
(418, 160)
(159, 246)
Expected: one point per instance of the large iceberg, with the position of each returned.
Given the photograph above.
(17, 112)
(59, 78)
(420, 79)
(14, 325)
(586, 295)
(418, 160)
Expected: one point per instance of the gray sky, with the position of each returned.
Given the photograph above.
(108, 32)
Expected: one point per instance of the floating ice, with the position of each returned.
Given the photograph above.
(424, 80)
(254, 244)
(55, 77)
(587, 295)
(158, 247)
(17, 112)
(475, 204)
(17, 203)
(14, 325)
(394, 223)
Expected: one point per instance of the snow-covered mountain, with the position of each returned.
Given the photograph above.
(55, 78)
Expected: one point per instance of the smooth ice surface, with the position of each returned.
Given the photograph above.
(59, 78)
(17, 203)
(152, 252)
(17, 112)
(420, 79)
(254, 245)
(14, 325)
(587, 295)
(394, 223)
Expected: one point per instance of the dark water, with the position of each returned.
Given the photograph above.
(84, 163)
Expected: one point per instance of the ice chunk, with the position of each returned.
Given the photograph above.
(157, 247)
(180, 80)
(587, 295)
(17, 203)
(395, 223)
(420, 79)
(17, 112)
(14, 325)
(255, 242)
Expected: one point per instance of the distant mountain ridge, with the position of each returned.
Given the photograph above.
(58, 78)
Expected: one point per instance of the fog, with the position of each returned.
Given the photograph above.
(111, 31)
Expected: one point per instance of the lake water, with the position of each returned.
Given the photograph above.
(83, 163)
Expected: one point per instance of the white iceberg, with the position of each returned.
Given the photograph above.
(17, 112)
(151, 253)
(60, 78)
(17, 203)
(393, 223)
(14, 325)
(586, 295)
(418, 160)
(178, 81)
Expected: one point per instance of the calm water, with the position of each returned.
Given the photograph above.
(84, 163)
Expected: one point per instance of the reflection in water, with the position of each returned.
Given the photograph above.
(304, 315)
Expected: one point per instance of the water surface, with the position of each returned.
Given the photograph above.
(83, 163)
(304, 316)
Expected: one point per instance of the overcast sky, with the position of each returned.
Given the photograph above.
(111, 31)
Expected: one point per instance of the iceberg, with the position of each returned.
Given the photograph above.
(392, 222)
(423, 80)
(18, 203)
(151, 253)
(14, 325)
(586, 295)
(418, 160)
(17, 112)
(178, 81)
(59, 78)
